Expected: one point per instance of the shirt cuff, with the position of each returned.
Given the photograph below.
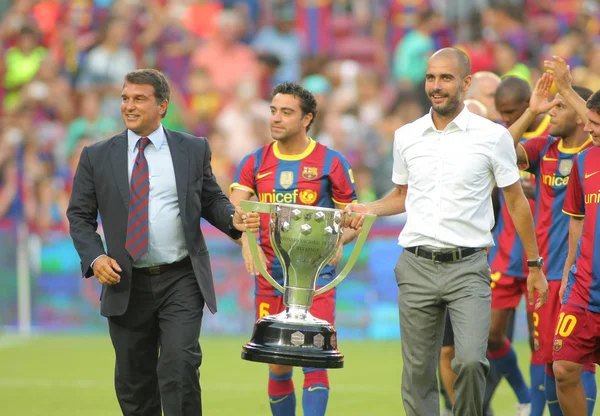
(92, 265)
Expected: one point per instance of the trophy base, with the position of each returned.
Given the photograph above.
(309, 343)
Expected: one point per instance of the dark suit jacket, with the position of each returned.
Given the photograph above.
(101, 186)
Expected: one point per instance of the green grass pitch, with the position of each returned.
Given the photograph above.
(72, 376)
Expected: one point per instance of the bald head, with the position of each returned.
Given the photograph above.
(462, 60)
(483, 89)
(483, 80)
(476, 107)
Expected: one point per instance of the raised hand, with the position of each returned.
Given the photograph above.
(560, 71)
(540, 97)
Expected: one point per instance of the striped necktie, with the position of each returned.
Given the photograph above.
(139, 190)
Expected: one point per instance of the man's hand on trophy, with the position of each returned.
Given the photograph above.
(249, 260)
(354, 216)
(243, 221)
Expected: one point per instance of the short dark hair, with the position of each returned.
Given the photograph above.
(593, 103)
(150, 76)
(308, 103)
(28, 31)
(583, 92)
(512, 87)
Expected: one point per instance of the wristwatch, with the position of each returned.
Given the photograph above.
(539, 262)
(231, 227)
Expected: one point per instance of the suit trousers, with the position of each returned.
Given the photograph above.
(156, 345)
(425, 291)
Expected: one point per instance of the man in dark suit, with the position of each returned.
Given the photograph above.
(151, 186)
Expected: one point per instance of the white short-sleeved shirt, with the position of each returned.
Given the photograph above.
(450, 176)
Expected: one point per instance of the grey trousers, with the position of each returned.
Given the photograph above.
(425, 291)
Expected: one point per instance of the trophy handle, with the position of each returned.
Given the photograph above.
(362, 237)
(261, 207)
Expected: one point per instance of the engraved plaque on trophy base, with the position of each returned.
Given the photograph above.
(310, 344)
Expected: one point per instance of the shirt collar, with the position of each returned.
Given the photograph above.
(157, 138)
(461, 121)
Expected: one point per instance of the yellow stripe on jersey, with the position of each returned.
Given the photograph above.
(573, 215)
(240, 186)
(540, 129)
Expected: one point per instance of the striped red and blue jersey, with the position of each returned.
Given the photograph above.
(551, 164)
(319, 177)
(315, 26)
(582, 200)
(507, 256)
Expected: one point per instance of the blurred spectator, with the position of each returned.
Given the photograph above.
(363, 182)
(479, 49)
(313, 20)
(244, 122)
(267, 66)
(476, 107)
(227, 60)
(90, 124)
(47, 92)
(64, 180)
(200, 16)
(203, 102)
(410, 58)
(369, 88)
(105, 67)
(9, 175)
(165, 42)
(507, 63)
(570, 47)
(504, 23)
(483, 89)
(21, 62)
(320, 88)
(18, 16)
(589, 75)
(281, 40)
(221, 164)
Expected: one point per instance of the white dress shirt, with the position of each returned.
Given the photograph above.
(450, 176)
(166, 241)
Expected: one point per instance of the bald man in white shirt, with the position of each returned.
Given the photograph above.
(445, 167)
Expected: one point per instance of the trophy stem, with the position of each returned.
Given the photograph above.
(298, 298)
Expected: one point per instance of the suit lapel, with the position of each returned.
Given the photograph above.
(180, 157)
(118, 158)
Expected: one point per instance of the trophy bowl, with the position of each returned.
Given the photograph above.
(305, 239)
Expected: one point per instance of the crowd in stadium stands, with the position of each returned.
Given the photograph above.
(62, 65)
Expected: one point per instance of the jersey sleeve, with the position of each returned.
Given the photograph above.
(342, 181)
(534, 151)
(245, 177)
(504, 161)
(574, 200)
(399, 168)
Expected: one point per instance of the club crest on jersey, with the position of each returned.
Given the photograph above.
(564, 167)
(286, 179)
(310, 173)
(557, 344)
(308, 196)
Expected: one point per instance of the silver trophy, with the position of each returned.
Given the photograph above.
(305, 239)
